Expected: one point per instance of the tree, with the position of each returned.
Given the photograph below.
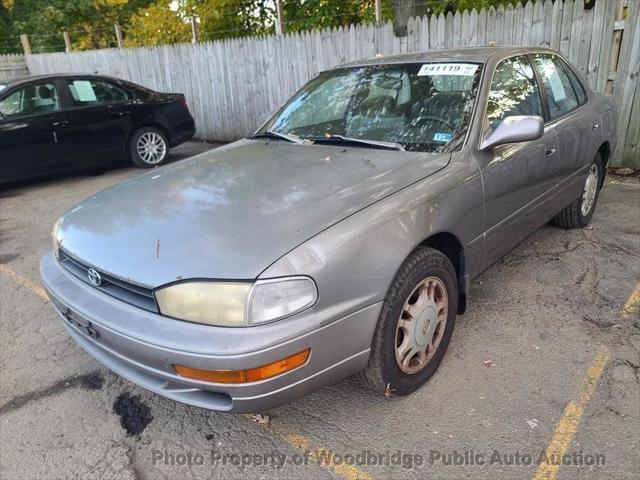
(89, 22)
(8, 37)
(405, 9)
(158, 24)
(232, 18)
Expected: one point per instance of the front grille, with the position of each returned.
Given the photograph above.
(125, 291)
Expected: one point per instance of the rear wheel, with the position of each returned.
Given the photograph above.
(578, 214)
(148, 147)
(415, 324)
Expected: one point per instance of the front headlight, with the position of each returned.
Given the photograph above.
(237, 304)
(55, 236)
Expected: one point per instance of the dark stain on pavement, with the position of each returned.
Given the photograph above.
(58, 387)
(93, 381)
(8, 257)
(134, 414)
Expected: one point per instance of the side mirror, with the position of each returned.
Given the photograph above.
(513, 129)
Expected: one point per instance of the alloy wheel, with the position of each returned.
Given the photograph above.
(151, 148)
(421, 325)
(590, 191)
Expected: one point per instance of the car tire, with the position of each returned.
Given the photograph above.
(148, 147)
(579, 212)
(425, 276)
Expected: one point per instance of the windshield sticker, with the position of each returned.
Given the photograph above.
(442, 137)
(461, 69)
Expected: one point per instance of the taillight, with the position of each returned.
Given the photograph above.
(184, 103)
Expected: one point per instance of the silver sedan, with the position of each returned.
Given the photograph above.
(341, 237)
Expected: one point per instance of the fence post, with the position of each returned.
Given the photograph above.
(67, 42)
(26, 46)
(615, 50)
(119, 35)
(279, 20)
(194, 30)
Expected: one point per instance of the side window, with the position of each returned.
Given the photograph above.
(95, 92)
(514, 91)
(560, 94)
(30, 100)
(578, 88)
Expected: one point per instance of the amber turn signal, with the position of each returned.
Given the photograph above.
(249, 375)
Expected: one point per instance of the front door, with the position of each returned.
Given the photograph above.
(516, 176)
(32, 132)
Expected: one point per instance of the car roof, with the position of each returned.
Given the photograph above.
(470, 54)
(31, 78)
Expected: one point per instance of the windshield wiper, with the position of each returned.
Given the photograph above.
(282, 136)
(341, 139)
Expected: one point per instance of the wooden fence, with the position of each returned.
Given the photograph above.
(12, 66)
(232, 86)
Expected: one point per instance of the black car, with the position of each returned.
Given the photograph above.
(59, 123)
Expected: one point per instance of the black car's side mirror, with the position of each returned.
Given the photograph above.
(513, 129)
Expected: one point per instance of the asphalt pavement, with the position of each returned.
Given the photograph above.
(545, 361)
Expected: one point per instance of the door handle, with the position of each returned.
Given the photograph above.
(61, 123)
(595, 127)
(551, 152)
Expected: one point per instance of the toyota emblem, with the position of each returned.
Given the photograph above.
(94, 277)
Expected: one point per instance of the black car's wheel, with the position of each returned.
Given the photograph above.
(415, 324)
(148, 147)
(579, 212)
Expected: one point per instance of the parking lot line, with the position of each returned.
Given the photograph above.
(300, 442)
(568, 424)
(632, 303)
(24, 281)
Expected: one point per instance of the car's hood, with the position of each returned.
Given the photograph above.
(231, 212)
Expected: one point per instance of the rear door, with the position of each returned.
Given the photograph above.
(100, 117)
(564, 102)
(32, 131)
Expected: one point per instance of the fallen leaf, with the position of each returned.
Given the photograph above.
(489, 363)
(260, 418)
(388, 391)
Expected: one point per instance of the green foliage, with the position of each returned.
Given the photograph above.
(308, 14)
(158, 24)
(90, 23)
(232, 18)
(444, 6)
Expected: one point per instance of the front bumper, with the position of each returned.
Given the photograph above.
(142, 346)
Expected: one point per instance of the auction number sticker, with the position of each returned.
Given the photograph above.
(461, 69)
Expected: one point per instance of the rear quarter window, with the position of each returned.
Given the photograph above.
(581, 93)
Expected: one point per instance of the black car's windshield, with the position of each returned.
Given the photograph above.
(418, 106)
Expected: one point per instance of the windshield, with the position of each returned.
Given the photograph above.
(2, 87)
(420, 106)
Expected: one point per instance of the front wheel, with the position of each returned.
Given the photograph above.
(148, 147)
(579, 212)
(415, 324)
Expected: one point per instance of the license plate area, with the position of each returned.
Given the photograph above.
(82, 324)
